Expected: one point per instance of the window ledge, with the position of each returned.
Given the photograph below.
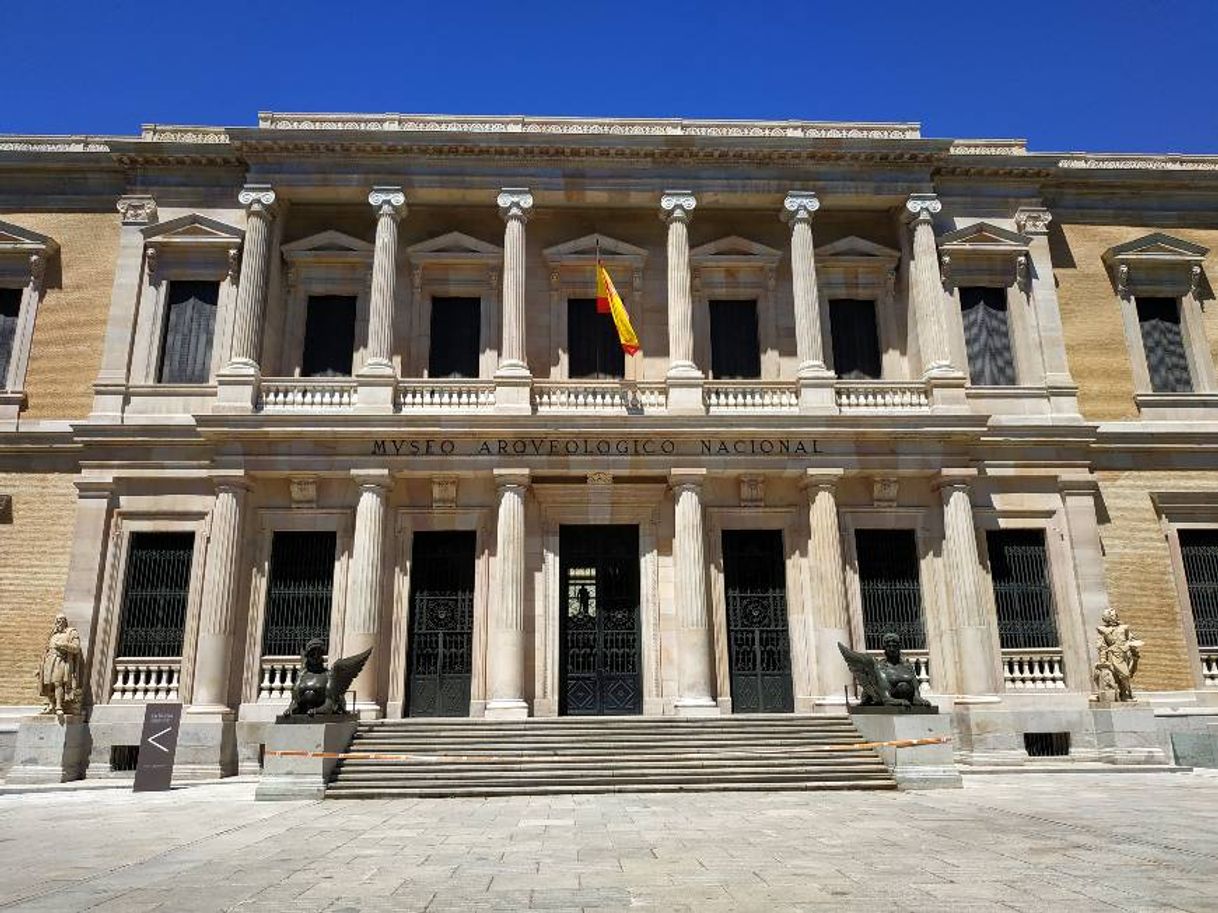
(1176, 406)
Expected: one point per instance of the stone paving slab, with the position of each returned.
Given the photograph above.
(1074, 843)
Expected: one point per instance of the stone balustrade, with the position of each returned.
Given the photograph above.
(278, 677)
(603, 396)
(750, 396)
(146, 679)
(307, 394)
(446, 395)
(1209, 667)
(881, 396)
(1038, 670)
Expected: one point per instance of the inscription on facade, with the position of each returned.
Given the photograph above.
(598, 447)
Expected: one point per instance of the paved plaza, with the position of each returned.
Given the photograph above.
(1013, 843)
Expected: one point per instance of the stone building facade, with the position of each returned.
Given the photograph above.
(341, 376)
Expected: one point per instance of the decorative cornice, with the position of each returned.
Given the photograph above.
(515, 203)
(388, 201)
(137, 209)
(1033, 220)
(1142, 163)
(257, 197)
(799, 205)
(922, 206)
(677, 204)
(155, 133)
(51, 144)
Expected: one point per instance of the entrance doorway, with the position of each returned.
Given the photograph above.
(441, 624)
(599, 638)
(754, 580)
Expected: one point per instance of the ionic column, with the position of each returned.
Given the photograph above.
(390, 206)
(797, 209)
(213, 651)
(259, 201)
(695, 659)
(506, 641)
(926, 287)
(830, 613)
(676, 209)
(363, 618)
(512, 379)
(973, 628)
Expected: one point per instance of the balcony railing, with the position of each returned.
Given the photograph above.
(750, 396)
(426, 395)
(881, 396)
(599, 396)
(307, 394)
(146, 679)
(1209, 667)
(1033, 670)
(278, 677)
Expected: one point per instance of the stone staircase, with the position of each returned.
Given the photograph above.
(571, 755)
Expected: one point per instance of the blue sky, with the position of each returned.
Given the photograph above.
(1104, 75)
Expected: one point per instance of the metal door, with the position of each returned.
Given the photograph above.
(759, 648)
(441, 624)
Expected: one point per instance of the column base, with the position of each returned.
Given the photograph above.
(511, 709)
(50, 749)
(947, 391)
(685, 391)
(237, 389)
(696, 706)
(376, 389)
(816, 394)
(513, 390)
(367, 710)
(207, 743)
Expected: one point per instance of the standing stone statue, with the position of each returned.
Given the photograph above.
(59, 674)
(1119, 652)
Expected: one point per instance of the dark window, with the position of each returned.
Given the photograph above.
(891, 587)
(190, 325)
(856, 344)
(735, 351)
(456, 325)
(1159, 319)
(298, 592)
(987, 336)
(1199, 551)
(155, 593)
(593, 347)
(124, 757)
(329, 343)
(1022, 595)
(10, 307)
(1046, 744)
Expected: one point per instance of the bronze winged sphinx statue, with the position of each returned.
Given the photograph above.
(888, 682)
(321, 692)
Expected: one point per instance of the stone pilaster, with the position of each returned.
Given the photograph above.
(927, 299)
(684, 379)
(1033, 221)
(513, 381)
(1087, 556)
(238, 381)
(506, 643)
(695, 662)
(82, 589)
(815, 379)
(830, 614)
(971, 626)
(377, 377)
(217, 610)
(363, 619)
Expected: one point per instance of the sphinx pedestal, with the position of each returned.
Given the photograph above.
(301, 777)
(920, 766)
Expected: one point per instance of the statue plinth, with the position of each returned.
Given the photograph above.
(890, 709)
(304, 719)
(50, 748)
(305, 771)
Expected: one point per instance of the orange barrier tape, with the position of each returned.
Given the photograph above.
(377, 756)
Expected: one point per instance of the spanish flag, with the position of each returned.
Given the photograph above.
(608, 301)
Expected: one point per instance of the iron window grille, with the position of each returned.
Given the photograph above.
(156, 591)
(890, 587)
(1023, 597)
(299, 591)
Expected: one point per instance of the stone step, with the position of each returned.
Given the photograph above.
(353, 770)
(535, 724)
(454, 791)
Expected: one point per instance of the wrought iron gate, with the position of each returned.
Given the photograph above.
(600, 669)
(1023, 599)
(441, 624)
(754, 579)
(299, 591)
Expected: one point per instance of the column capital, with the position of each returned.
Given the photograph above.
(235, 481)
(1033, 220)
(1087, 486)
(677, 205)
(137, 209)
(372, 479)
(921, 207)
(798, 206)
(99, 488)
(515, 203)
(822, 480)
(388, 201)
(257, 198)
(949, 480)
(507, 479)
(686, 478)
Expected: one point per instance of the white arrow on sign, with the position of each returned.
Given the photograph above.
(152, 739)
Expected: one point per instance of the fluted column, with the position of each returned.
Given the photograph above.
(973, 628)
(513, 383)
(213, 651)
(926, 287)
(259, 201)
(676, 209)
(506, 643)
(695, 660)
(390, 206)
(797, 210)
(363, 618)
(830, 614)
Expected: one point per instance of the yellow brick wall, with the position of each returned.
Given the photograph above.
(1139, 573)
(34, 553)
(1091, 316)
(65, 353)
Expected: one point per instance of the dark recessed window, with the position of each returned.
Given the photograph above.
(298, 591)
(856, 342)
(155, 592)
(1159, 320)
(593, 347)
(329, 343)
(987, 336)
(735, 350)
(10, 308)
(1199, 552)
(891, 586)
(456, 325)
(1023, 599)
(1046, 744)
(124, 757)
(190, 325)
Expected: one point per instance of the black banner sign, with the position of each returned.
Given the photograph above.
(158, 745)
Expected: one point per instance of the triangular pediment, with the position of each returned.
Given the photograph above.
(733, 248)
(455, 243)
(854, 246)
(15, 238)
(585, 248)
(984, 236)
(194, 229)
(1156, 246)
(329, 242)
